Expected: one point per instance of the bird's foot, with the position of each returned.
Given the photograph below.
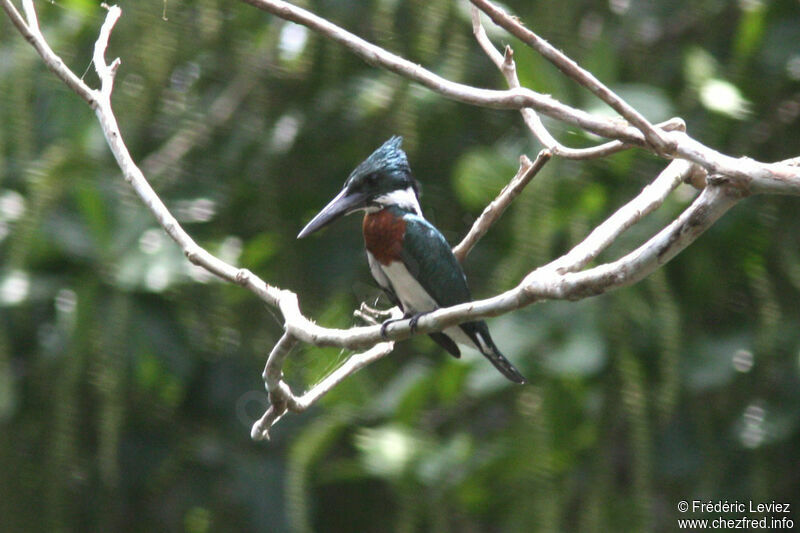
(386, 325)
(412, 322)
(374, 312)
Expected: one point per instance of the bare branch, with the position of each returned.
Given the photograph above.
(508, 99)
(606, 233)
(750, 175)
(505, 63)
(655, 138)
(495, 209)
(30, 30)
(747, 175)
(100, 101)
(17, 20)
(707, 208)
(281, 396)
(133, 175)
(545, 283)
(105, 71)
(352, 365)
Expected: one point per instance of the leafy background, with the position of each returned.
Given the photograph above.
(128, 380)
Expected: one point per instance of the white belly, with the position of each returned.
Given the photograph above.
(414, 298)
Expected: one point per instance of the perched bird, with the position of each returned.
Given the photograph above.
(408, 257)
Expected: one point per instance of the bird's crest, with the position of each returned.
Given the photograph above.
(388, 160)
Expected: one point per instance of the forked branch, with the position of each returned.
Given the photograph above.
(655, 138)
(505, 63)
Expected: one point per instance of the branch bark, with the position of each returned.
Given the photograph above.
(496, 207)
(655, 138)
(751, 176)
(505, 63)
(517, 98)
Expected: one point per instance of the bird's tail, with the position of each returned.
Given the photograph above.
(480, 335)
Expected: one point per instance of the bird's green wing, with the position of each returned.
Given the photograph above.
(429, 258)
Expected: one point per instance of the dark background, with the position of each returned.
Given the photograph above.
(129, 381)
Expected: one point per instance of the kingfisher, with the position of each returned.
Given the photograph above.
(408, 257)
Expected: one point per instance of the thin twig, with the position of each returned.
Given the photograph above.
(507, 99)
(280, 394)
(655, 138)
(496, 207)
(505, 63)
(651, 198)
(33, 35)
(273, 373)
(353, 364)
(707, 208)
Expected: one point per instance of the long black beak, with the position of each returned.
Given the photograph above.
(345, 203)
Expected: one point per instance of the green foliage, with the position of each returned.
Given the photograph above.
(129, 379)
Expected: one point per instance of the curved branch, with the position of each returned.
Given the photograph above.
(280, 395)
(707, 208)
(749, 175)
(651, 197)
(505, 63)
(100, 101)
(495, 209)
(516, 98)
(546, 283)
(655, 138)
(30, 30)
(553, 281)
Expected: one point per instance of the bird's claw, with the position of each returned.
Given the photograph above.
(386, 325)
(412, 323)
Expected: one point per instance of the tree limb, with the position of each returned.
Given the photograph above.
(496, 207)
(509, 99)
(30, 30)
(655, 138)
(650, 199)
(750, 175)
(505, 63)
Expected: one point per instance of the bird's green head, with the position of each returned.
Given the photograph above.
(381, 180)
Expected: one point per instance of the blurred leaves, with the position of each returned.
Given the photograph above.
(479, 176)
(650, 101)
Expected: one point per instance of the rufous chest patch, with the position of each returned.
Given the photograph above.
(383, 235)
